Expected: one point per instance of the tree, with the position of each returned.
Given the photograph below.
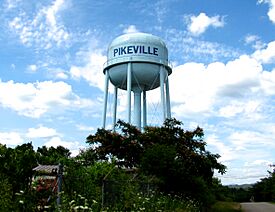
(177, 157)
(17, 165)
(124, 148)
(180, 160)
(52, 155)
(16, 176)
(264, 190)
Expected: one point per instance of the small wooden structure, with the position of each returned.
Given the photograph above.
(46, 177)
(47, 180)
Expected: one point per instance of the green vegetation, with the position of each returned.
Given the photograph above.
(233, 194)
(175, 157)
(264, 190)
(226, 207)
(160, 169)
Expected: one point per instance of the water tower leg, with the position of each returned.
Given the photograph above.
(144, 110)
(168, 106)
(129, 88)
(105, 98)
(137, 108)
(163, 102)
(115, 107)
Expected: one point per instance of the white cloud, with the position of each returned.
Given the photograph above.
(43, 30)
(230, 110)
(259, 162)
(268, 82)
(85, 128)
(61, 75)
(246, 108)
(57, 73)
(41, 132)
(35, 99)
(52, 11)
(198, 88)
(189, 90)
(271, 11)
(199, 24)
(130, 29)
(56, 141)
(11, 138)
(251, 38)
(245, 174)
(74, 147)
(92, 71)
(9, 4)
(226, 152)
(185, 47)
(266, 55)
(248, 139)
(251, 150)
(32, 68)
(255, 41)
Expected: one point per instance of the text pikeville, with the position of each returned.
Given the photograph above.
(139, 49)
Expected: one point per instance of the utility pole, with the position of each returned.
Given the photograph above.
(59, 184)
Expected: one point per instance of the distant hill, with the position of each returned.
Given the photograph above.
(244, 186)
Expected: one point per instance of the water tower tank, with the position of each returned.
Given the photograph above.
(138, 62)
(146, 53)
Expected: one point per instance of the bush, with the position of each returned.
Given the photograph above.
(5, 194)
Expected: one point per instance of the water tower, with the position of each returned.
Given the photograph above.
(137, 62)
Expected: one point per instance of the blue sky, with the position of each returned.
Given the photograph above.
(223, 54)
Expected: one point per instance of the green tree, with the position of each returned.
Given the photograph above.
(264, 190)
(5, 193)
(52, 155)
(124, 148)
(177, 157)
(17, 165)
(16, 176)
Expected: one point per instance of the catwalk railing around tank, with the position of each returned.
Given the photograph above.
(139, 59)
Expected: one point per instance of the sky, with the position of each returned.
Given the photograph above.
(222, 53)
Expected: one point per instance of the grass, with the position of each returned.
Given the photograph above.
(226, 207)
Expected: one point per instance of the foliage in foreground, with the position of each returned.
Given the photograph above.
(161, 169)
(82, 186)
(139, 202)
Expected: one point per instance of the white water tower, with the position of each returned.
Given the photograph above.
(137, 62)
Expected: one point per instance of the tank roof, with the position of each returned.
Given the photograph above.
(138, 37)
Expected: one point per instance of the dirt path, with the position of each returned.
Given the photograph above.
(258, 207)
